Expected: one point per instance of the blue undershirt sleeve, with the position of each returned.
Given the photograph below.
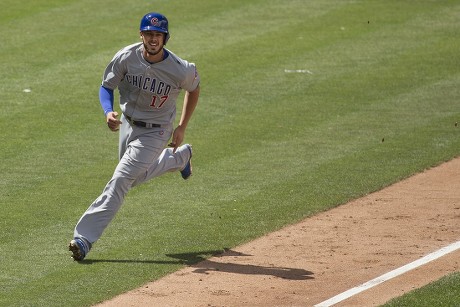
(106, 99)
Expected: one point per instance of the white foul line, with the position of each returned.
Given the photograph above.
(399, 271)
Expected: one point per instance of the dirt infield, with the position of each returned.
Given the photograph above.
(327, 254)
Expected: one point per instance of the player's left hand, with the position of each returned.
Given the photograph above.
(177, 138)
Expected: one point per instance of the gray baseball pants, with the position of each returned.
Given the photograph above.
(143, 156)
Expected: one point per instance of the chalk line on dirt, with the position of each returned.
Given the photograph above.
(387, 276)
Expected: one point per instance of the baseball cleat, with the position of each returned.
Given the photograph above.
(77, 248)
(186, 172)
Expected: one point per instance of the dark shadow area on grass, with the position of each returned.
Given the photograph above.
(182, 258)
(202, 265)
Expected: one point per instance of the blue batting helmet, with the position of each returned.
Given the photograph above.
(155, 22)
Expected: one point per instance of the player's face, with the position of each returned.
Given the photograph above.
(153, 42)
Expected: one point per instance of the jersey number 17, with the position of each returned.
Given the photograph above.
(158, 102)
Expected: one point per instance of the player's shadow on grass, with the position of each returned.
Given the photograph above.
(202, 265)
(182, 258)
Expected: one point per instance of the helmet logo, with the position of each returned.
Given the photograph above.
(154, 22)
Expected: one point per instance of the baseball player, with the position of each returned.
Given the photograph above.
(149, 78)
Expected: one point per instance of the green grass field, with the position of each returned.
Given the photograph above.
(443, 293)
(304, 106)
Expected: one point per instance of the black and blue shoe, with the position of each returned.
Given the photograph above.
(186, 172)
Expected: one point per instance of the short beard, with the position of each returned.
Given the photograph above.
(150, 52)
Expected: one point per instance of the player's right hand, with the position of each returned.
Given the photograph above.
(112, 121)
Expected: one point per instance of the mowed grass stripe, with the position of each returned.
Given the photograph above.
(334, 80)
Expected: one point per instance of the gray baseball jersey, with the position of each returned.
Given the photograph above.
(148, 92)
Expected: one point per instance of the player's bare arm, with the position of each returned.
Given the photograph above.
(190, 102)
